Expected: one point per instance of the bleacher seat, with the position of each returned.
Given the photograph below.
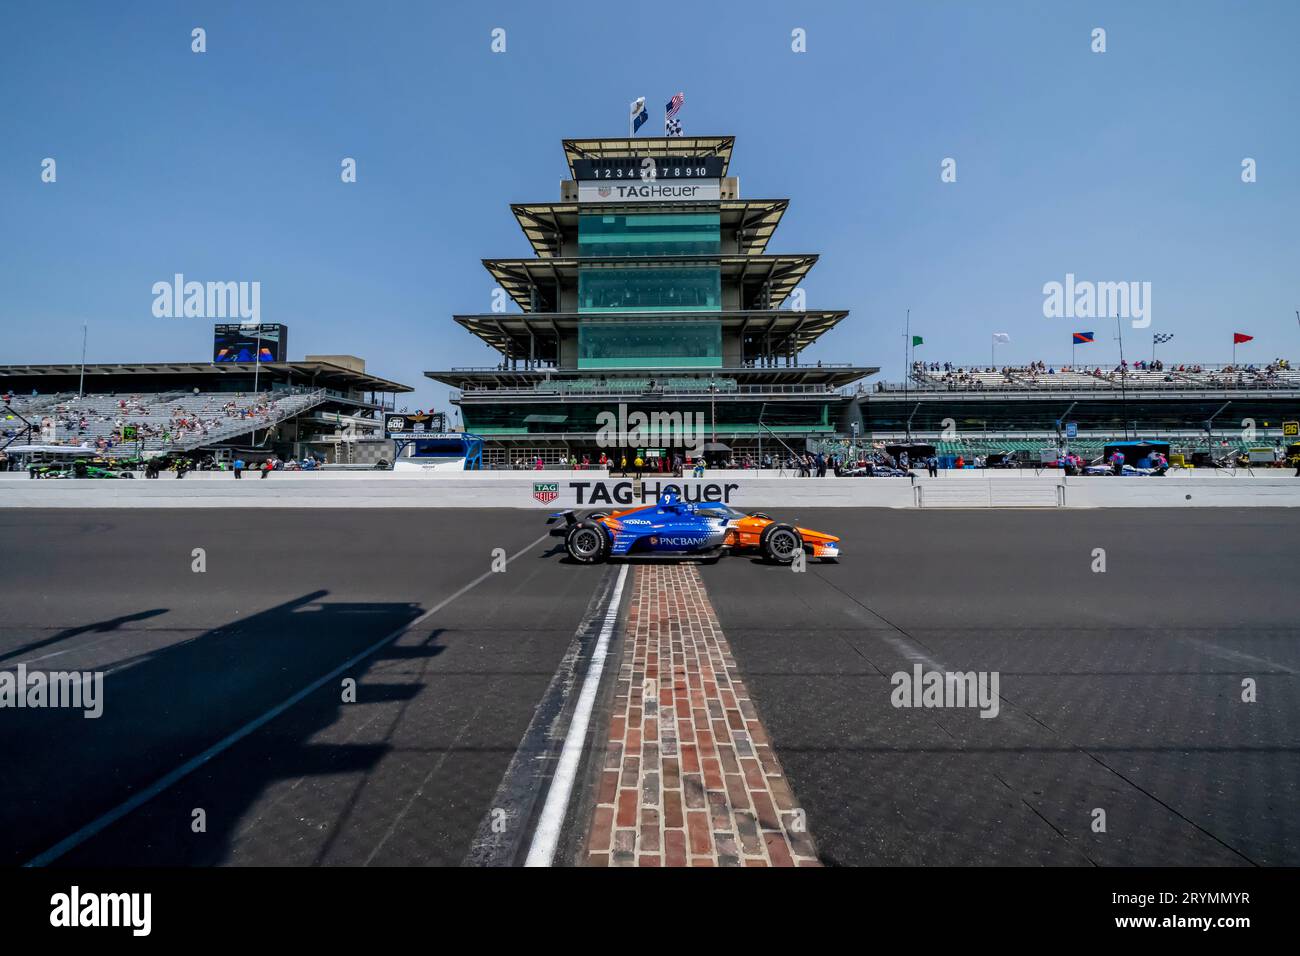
(210, 417)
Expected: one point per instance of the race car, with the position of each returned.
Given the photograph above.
(1129, 471)
(671, 528)
(79, 469)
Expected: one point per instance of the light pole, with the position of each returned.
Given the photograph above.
(257, 358)
(1123, 372)
(713, 409)
(81, 384)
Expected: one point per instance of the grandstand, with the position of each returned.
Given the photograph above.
(148, 424)
(976, 410)
(1042, 377)
(328, 409)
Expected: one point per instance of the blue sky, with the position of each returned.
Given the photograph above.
(1117, 166)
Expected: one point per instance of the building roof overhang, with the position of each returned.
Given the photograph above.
(617, 147)
(519, 277)
(753, 221)
(784, 328)
(323, 372)
(813, 374)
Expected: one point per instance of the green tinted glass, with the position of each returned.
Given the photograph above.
(661, 289)
(664, 234)
(650, 344)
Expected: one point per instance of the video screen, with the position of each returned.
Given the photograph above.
(250, 343)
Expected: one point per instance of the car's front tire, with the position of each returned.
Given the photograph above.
(587, 543)
(779, 543)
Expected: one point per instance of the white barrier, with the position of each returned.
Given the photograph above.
(344, 490)
(553, 491)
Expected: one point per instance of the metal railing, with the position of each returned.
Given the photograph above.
(1081, 382)
(669, 391)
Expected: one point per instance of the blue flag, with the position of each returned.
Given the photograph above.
(639, 120)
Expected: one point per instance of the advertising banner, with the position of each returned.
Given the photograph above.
(604, 191)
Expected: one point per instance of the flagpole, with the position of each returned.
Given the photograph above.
(906, 371)
(907, 344)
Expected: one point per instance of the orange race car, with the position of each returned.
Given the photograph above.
(674, 529)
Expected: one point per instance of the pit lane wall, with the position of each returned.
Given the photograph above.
(556, 490)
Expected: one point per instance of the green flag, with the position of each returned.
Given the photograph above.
(917, 340)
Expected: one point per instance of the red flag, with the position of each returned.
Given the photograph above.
(1239, 337)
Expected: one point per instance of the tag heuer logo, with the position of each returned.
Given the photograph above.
(604, 191)
(546, 491)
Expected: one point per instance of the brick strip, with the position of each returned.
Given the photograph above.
(690, 777)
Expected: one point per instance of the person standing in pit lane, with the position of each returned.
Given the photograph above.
(239, 468)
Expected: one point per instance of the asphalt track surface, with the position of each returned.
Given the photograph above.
(402, 776)
(1119, 690)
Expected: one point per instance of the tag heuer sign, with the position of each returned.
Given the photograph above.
(655, 190)
(546, 491)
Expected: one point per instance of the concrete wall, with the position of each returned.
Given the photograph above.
(361, 489)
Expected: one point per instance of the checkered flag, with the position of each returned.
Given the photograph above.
(672, 125)
(1161, 337)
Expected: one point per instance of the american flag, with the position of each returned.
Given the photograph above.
(674, 105)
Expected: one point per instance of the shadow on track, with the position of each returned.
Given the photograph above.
(99, 627)
(164, 707)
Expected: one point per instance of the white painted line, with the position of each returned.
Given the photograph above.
(547, 834)
(162, 783)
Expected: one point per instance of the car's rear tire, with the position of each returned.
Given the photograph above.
(587, 543)
(779, 543)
